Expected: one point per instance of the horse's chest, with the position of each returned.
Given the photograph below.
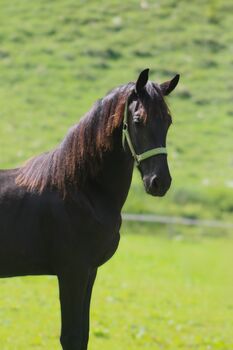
(106, 249)
(97, 232)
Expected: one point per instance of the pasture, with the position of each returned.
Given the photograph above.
(167, 287)
(162, 290)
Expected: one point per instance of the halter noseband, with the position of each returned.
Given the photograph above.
(126, 137)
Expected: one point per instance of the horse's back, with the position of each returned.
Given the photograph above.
(10, 197)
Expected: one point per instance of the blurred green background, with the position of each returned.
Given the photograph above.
(168, 286)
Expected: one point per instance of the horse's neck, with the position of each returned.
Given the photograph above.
(115, 177)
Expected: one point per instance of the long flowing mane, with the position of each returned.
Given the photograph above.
(79, 154)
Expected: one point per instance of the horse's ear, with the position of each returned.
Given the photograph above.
(169, 85)
(142, 80)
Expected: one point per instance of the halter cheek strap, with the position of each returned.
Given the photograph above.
(126, 138)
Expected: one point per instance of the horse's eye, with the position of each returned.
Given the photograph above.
(137, 119)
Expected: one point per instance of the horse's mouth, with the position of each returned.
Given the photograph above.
(156, 192)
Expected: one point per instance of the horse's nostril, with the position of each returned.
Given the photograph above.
(154, 181)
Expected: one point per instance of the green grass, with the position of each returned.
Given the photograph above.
(58, 57)
(160, 291)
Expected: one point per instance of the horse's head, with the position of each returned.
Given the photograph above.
(146, 123)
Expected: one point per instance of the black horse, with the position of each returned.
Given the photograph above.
(60, 213)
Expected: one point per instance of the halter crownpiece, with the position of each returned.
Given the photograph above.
(126, 137)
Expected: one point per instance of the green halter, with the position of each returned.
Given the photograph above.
(126, 137)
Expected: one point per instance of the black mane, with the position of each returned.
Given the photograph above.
(79, 154)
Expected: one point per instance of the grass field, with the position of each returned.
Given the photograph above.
(170, 289)
(161, 291)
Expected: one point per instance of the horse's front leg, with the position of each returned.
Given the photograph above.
(73, 285)
(86, 310)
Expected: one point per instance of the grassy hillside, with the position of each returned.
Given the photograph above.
(58, 57)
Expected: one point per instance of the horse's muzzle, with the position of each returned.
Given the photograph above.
(156, 185)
